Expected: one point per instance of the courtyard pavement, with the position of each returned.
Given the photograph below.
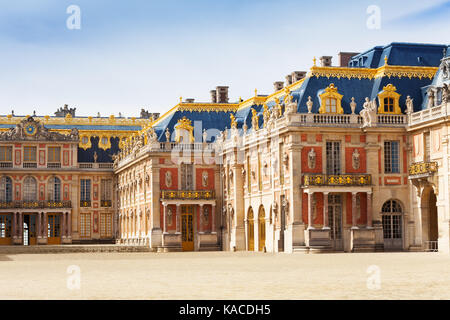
(225, 275)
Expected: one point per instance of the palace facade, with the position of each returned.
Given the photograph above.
(339, 158)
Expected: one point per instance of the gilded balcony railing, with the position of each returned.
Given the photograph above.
(423, 168)
(188, 195)
(337, 180)
(35, 204)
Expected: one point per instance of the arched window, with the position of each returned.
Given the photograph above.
(5, 189)
(54, 189)
(391, 206)
(30, 189)
(392, 225)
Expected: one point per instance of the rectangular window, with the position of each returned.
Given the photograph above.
(187, 176)
(5, 154)
(391, 157)
(54, 154)
(85, 225)
(29, 154)
(388, 105)
(427, 146)
(105, 225)
(106, 192)
(85, 190)
(333, 149)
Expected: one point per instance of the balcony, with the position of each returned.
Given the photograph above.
(27, 165)
(35, 205)
(422, 169)
(6, 164)
(188, 195)
(85, 204)
(96, 165)
(106, 203)
(346, 180)
(54, 165)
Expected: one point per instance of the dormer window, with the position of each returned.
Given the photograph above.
(331, 100)
(388, 99)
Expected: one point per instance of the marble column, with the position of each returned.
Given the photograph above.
(20, 226)
(354, 226)
(325, 211)
(310, 213)
(178, 219)
(213, 218)
(14, 225)
(63, 225)
(69, 224)
(45, 227)
(165, 218)
(200, 217)
(369, 209)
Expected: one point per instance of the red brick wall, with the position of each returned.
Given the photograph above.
(305, 207)
(162, 179)
(318, 168)
(349, 209)
(319, 209)
(349, 160)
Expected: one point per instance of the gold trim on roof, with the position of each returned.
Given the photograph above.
(88, 121)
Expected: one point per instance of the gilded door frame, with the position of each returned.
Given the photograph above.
(261, 228)
(187, 211)
(251, 231)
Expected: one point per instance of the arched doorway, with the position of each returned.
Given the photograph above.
(429, 215)
(262, 228)
(392, 221)
(251, 230)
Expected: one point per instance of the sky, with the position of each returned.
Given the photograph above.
(133, 54)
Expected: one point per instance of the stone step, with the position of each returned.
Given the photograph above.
(72, 249)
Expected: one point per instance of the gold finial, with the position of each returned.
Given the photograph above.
(385, 60)
(181, 99)
(240, 99)
(256, 92)
(314, 61)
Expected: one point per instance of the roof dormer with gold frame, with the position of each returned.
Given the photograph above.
(330, 100)
(389, 100)
(184, 130)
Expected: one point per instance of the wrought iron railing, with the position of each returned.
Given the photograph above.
(35, 204)
(106, 203)
(337, 180)
(423, 168)
(188, 195)
(85, 204)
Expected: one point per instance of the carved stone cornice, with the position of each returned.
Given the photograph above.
(31, 130)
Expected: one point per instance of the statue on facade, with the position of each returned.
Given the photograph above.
(95, 157)
(312, 159)
(353, 105)
(430, 95)
(356, 159)
(290, 105)
(276, 110)
(205, 178)
(266, 115)
(445, 68)
(168, 179)
(152, 136)
(255, 120)
(409, 105)
(446, 93)
(167, 135)
(368, 113)
(205, 136)
(309, 104)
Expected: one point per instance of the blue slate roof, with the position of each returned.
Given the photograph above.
(400, 54)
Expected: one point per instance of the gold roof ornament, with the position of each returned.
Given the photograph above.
(385, 60)
(233, 124)
(184, 124)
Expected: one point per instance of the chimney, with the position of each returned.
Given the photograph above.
(344, 58)
(222, 94)
(278, 85)
(325, 61)
(189, 100)
(213, 96)
(298, 75)
(288, 80)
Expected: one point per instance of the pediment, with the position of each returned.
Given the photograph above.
(32, 130)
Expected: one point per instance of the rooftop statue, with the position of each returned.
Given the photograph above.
(64, 111)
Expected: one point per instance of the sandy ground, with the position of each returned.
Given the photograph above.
(222, 275)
